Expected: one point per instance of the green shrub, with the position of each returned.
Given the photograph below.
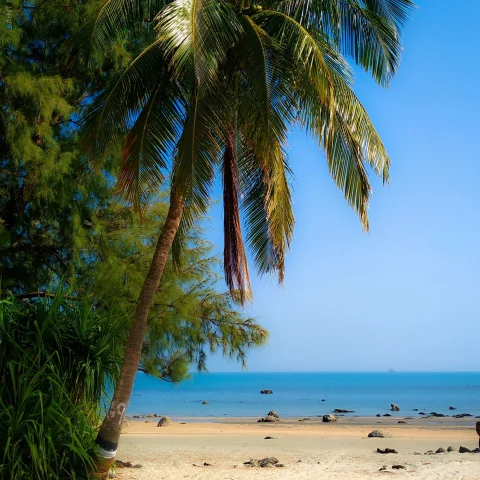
(56, 357)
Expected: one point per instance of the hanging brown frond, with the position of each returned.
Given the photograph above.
(235, 260)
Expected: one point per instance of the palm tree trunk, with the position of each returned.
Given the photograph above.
(109, 433)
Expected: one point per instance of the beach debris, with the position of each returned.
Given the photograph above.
(205, 464)
(386, 450)
(394, 407)
(279, 465)
(164, 422)
(382, 469)
(440, 450)
(341, 410)
(451, 407)
(379, 434)
(270, 438)
(204, 402)
(329, 418)
(273, 413)
(267, 462)
(451, 449)
(251, 463)
(399, 467)
(266, 392)
(387, 415)
(120, 464)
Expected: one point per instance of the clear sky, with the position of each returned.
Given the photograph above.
(407, 295)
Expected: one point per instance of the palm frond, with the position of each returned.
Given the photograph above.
(114, 111)
(196, 35)
(149, 145)
(235, 261)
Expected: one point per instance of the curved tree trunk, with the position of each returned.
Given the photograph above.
(109, 433)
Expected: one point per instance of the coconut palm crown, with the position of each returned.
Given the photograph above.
(219, 88)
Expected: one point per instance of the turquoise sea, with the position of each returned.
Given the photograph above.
(301, 394)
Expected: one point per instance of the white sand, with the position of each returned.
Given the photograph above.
(327, 451)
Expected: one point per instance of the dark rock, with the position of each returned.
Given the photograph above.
(464, 450)
(451, 449)
(279, 465)
(440, 450)
(137, 416)
(323, 400)
(386, 450)
(120, 464)
(150, 415)
(378, 415)
(401, 421)
(476, 450)
(381, 469)
(441, 415)
(421, 413)
(204, 402)
(451, 408)
(379, 434)
(409, 418)
(394, 407)
(467, 415)
(399, 467)
(266, 392)
(270, 438)
(429, 452)
(329, 418)
(387, 415)
(273, 413)
(164, 422)
(415, 410)
(341, 410)
(267, 462)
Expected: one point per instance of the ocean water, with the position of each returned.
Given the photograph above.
(301, 394)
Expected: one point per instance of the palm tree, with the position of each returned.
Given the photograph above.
(217, 90)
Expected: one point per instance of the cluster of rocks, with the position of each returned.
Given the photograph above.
(271, 417)
(149, 415)
(394, 467)
(394, 407)
(264, 463)
(341, 410)
(467, 450)
(386, 450)
(266, 392)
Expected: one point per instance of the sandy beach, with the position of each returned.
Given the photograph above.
(308, 449)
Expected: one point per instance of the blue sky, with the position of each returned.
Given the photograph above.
(406, 295)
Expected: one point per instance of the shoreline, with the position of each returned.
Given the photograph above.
(409, 422)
